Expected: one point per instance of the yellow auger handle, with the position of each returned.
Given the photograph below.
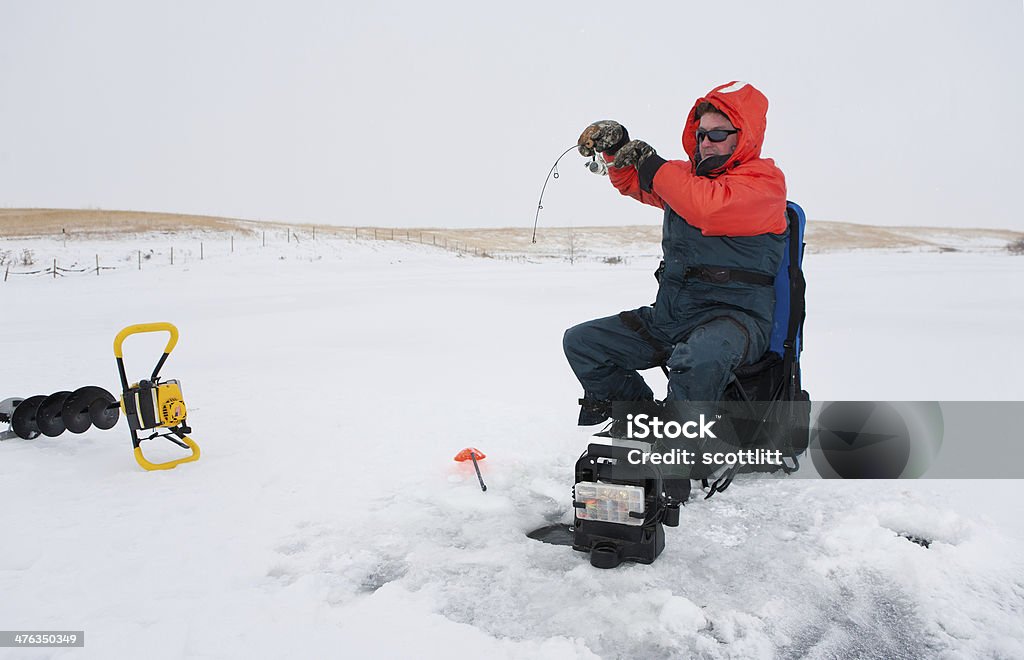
(169, 465)
(145, 327)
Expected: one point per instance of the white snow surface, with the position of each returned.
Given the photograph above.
(330, 384)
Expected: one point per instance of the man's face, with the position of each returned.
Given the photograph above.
(713, 121)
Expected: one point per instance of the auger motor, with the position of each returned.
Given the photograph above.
(152, 404)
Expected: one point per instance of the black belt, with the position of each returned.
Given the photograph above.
(723, 275)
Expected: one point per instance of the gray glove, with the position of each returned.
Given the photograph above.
(632, 154)
(605, 136)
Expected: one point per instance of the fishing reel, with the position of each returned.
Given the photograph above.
(597, 166)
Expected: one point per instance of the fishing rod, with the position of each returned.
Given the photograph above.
(594, 165)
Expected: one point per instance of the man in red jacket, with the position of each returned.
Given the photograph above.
(723, 237)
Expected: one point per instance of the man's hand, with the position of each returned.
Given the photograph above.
(632, 154)
(605, 136)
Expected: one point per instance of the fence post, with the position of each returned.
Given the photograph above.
(55, 268)
(140, 259)
(200, 250)
(264, 238)
(232, 243)
(97, 265)
(6, 272)
(172, 255)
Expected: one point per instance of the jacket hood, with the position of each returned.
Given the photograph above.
(746, 108)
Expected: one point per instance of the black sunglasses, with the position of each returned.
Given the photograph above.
(717, 135)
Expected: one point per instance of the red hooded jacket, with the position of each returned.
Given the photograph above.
(744, 197)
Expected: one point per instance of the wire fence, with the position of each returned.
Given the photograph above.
(14, 265)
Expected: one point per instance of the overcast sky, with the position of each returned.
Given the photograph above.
(451, 113)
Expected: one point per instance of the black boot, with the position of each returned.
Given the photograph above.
(594, 411)
(616, 429)
(620, 424)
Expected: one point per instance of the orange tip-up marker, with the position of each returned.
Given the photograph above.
(473, 454)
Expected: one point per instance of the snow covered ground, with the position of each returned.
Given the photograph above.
(330, 384)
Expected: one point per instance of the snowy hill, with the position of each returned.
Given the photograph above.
(558, 242)
(331, 380)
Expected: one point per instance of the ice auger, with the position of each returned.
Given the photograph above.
(148, 405)
(152, 404)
